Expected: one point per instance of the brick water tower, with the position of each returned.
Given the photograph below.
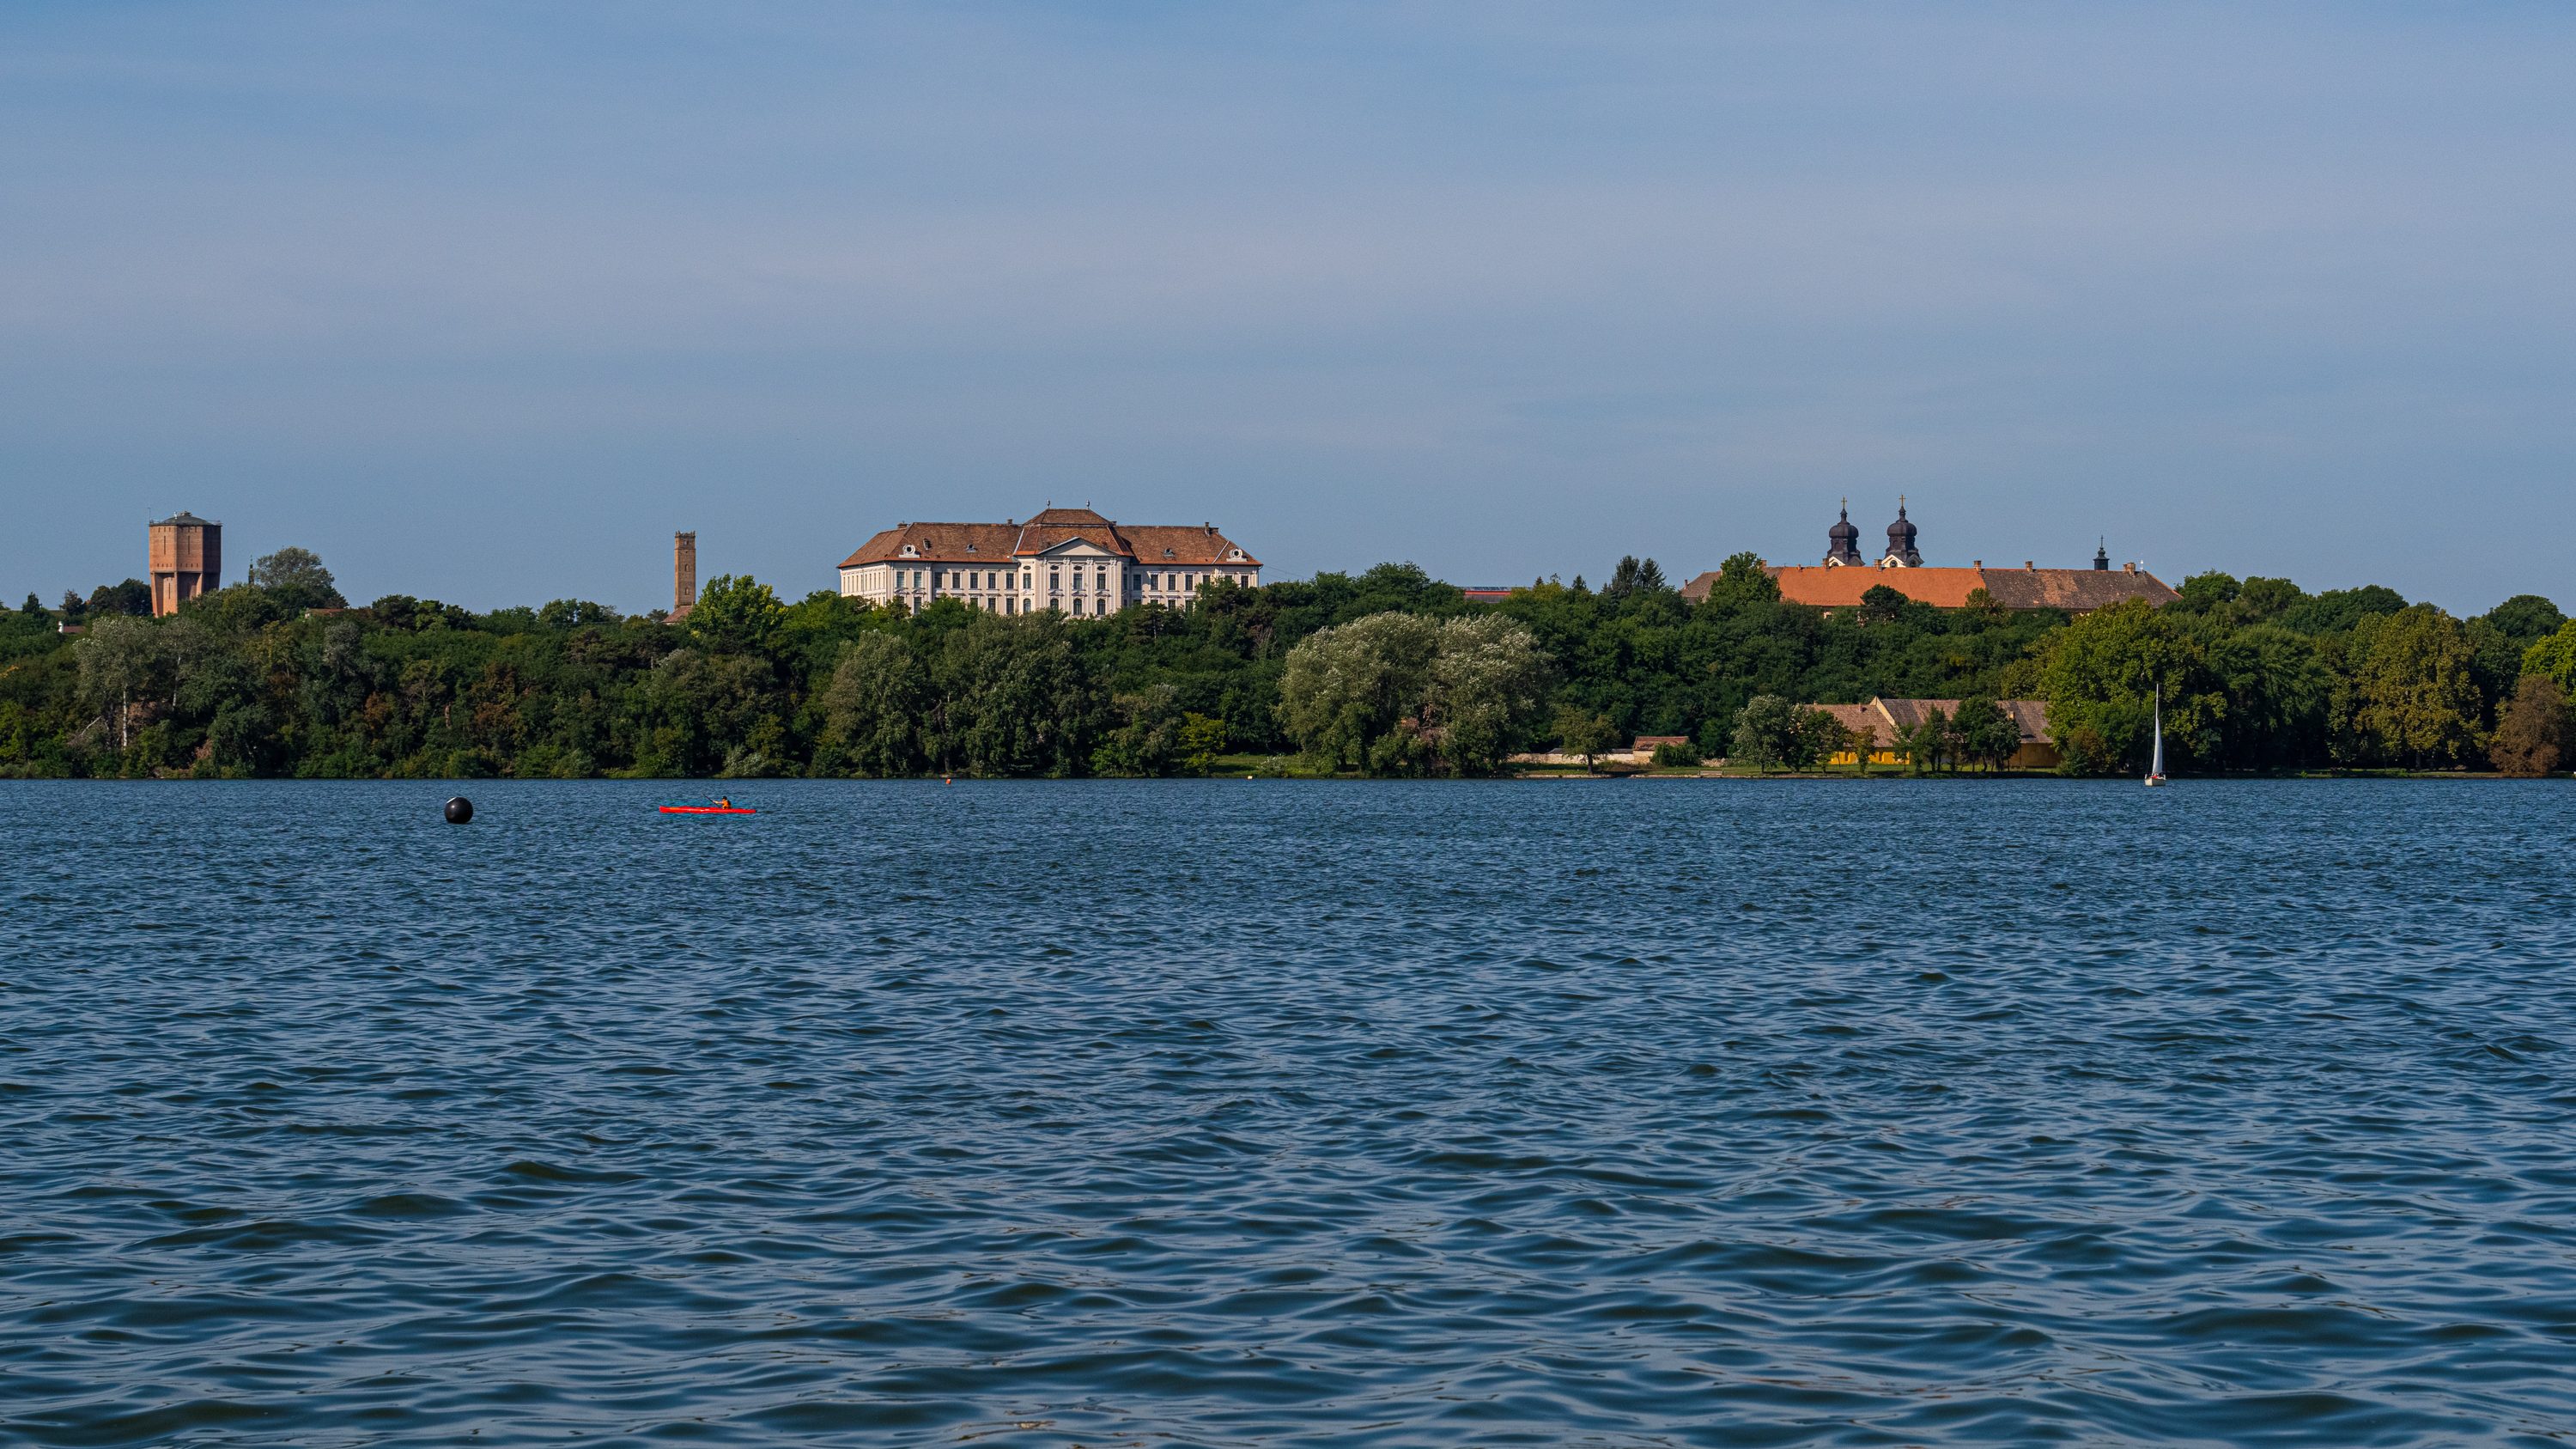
(187, 560)
(684, 575)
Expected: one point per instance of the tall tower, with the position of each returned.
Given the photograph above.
(1901, 552)
(684, 574)
(187, 555)
(1843, 542)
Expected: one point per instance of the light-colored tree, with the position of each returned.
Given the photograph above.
(1488, 681)
(1346, 689)
(121, 661)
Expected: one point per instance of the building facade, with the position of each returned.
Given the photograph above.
(1839, 581)
(1070, 560)
(1876, 727)
(187, 559)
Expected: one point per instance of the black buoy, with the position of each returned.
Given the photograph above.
(459, 810)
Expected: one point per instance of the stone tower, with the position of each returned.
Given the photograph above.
(187, 554)
(684, 574)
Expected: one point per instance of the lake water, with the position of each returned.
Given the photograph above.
(1617, 1113)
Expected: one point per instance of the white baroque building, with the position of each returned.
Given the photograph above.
(1068, 559)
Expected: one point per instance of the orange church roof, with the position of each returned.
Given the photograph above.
(2077, 591)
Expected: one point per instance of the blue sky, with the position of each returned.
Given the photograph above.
(482, 301)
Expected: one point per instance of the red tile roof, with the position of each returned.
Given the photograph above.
(2074, 590)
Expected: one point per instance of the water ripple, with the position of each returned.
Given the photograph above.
(1290, 1114)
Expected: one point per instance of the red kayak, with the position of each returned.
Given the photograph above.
(707, 810)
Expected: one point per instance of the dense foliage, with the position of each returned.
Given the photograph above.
(1387, 671)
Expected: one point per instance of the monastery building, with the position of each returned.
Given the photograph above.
(1844, 575)
(1068, 559)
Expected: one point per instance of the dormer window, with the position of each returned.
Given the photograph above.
(910, 552)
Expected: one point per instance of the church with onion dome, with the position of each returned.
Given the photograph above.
(1845, 574)
(1843, 551)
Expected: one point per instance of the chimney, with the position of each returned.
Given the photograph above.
(684, 574)
(2131, 567)
(1976, 563)
(2029, 567)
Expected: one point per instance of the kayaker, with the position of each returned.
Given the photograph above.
(723, 803)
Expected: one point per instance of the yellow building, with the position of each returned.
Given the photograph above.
(1881, 723)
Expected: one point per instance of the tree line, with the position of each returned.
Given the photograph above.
(1386, 672)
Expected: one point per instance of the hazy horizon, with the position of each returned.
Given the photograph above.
(481, 303)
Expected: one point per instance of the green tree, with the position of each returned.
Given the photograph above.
(1770, 733)
(736, 616)
(1928, 742)
(1015, 696)
(297, 577)
(1202, 740)
(1581, 732)
(133, 598)
(2207, 593)
(2340, 611)
(575, 614)
(2276, 692)
(1742, 582)
(1986, 735)
(2417, 702)
(1820, 737)
(2262, 600)
(2526, 618)
(1880, 604)
(2555, 658)
(1146, 737)
(872, 709)
(2100, 677)
(2537, 735)
(1633, 577)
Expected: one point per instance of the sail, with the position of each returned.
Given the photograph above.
(2156, 771)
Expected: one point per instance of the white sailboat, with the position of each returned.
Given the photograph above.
(2156, 771)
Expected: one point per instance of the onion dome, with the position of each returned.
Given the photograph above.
(1844, 546)
(1900, 541)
